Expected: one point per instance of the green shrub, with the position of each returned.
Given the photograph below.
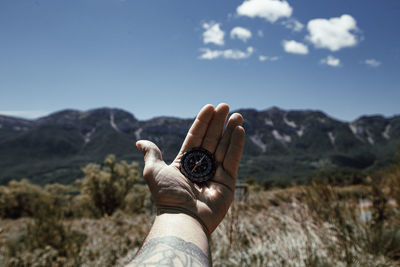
(135, 200)
(21, 198)
(46, 239)
(62, 197)
(47, 229)
(107, 188)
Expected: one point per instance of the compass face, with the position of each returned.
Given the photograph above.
(198, 164)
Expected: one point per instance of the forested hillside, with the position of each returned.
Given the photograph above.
(280, 144)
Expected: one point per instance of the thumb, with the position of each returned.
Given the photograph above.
(151, 152)
(152, 158)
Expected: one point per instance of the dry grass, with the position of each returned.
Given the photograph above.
(110, 241)
(303, 226)
(316, 225)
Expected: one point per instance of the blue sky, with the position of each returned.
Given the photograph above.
(161, 57)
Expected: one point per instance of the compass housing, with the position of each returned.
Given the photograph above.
(198, 164)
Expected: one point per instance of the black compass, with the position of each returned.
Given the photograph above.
(198, 164)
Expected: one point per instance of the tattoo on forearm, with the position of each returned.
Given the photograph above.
(170, 251)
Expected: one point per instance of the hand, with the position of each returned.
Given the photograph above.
(172, 190)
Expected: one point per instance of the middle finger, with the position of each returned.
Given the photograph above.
(215, 128)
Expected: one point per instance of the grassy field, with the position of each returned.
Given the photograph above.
(308, 226)
(313, 225)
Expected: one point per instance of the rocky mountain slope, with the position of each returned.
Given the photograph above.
(280, 144)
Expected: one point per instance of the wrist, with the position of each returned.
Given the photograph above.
(177, 210)
(180, 225)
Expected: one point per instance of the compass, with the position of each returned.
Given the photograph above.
(198, 164)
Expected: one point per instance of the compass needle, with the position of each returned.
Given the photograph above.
(194, 168)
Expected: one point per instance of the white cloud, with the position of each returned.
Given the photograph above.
(271, 10)
(331, 61)
(295, 47)
(260, 33)
(293, 24)
(28, 114)
(240, 33)
(227, 54)
(372, 62)
(334, 33)
(263, 58)
(213, 34)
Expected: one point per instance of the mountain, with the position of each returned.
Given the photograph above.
(294, 144)
(280, 144)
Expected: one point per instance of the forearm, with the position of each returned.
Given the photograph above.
(174, 240)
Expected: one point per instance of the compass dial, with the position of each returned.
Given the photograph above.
(198, 164)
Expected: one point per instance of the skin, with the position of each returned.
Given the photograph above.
(189, 213)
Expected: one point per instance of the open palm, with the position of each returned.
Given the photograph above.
(210, 201)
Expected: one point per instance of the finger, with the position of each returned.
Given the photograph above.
(234, 153)
(153, 163)
(198, 129)
(150, 151)
(215, 128)
(223, 178)
(235, 120)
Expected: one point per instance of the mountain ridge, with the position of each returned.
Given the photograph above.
(280, 144)
(237, 110)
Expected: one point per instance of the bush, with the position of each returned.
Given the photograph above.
(340, 177)
(378, 234)
(103, 190)
(137, 198)
(107, 188)
(21, 198)
(62, 197)
(47, 229)
(46, 240)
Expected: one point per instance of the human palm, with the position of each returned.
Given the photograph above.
(210, 201)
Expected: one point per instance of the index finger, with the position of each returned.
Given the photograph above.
(198, 129)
